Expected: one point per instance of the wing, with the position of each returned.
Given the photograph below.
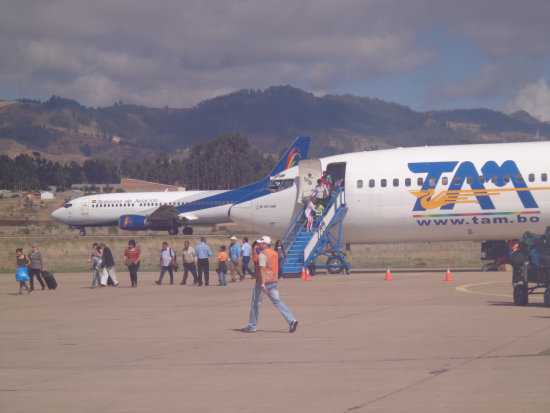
(164, 214)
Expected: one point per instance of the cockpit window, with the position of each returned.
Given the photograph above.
(67, 205)
(274, 185)
(280, 184)
(287, 183)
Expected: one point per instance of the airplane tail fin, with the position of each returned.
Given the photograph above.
(293, 155)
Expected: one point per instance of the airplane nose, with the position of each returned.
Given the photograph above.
(241, 212)
(58, 214)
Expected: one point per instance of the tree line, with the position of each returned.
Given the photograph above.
(225, 162)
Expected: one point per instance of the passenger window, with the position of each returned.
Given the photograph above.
(407, 181)
(456, 180)
(543, 177)
(395, 182)
(494, 179)
(469, 180)
(359, 183)
(506, 179)
(519, 179)
(420, 181)
(531, 177)
(481, 179)
(371, 183)
(432, 181)
(383, 183)
(445, 180)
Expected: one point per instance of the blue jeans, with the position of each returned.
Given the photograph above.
(96, 276)
(246, 269)
(222, 278)
(163, 270)
(273, 294)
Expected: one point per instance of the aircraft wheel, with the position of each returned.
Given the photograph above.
(334, 265)
(547, 297)
(521, 295)
(82, 233)
(173, 231)
(188, 231)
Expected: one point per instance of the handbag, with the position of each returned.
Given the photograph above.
(174, 262)
(22, 274)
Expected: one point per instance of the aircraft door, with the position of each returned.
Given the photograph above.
(337, 171)
(309, 171)
(84, 207)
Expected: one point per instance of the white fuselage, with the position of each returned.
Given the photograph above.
(105, 209)
(446, 193)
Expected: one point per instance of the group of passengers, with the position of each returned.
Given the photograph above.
(235, 259)
(318, 200)
(30, 266)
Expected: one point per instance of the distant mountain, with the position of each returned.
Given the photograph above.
(271, 119)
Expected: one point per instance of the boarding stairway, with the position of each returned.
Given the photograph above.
(303, 247)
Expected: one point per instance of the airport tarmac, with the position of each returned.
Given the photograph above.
(416, 343)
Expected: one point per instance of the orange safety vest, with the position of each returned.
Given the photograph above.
(272, 268)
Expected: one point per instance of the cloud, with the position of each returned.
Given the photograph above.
(492, 81)
(534, 99)
(176, 53)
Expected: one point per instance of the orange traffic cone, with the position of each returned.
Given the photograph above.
(303, 277)
(308, 278)
(388, 274)
(448, 276)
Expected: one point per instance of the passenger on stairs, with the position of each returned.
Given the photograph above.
(320, 192)
(308, 212)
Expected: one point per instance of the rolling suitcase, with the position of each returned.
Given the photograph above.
(49, 279)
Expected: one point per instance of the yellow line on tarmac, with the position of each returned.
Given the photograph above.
(465, 289)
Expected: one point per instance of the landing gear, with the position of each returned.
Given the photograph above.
(334, 265)
(547, 297)
(187, 231)
(173, 231)
(82, 232)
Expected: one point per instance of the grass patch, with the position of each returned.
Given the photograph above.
(70, 253)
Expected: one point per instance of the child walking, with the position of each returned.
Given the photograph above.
(22, 273)
(221, 268)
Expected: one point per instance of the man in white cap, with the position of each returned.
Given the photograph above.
(267, 282)
(234, 255)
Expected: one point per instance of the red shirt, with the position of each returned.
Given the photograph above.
(132, 256)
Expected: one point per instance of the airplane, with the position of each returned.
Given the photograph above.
(442, 193)
(166, 210)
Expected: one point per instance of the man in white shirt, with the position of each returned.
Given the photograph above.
(166, 256)
(320, 192)
(188, 258)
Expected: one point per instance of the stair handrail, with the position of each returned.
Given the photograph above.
(338, 199)
(294, 229)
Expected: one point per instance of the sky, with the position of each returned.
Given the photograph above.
(437, 54)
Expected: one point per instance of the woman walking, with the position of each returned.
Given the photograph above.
(22, 273)
(132, 256)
